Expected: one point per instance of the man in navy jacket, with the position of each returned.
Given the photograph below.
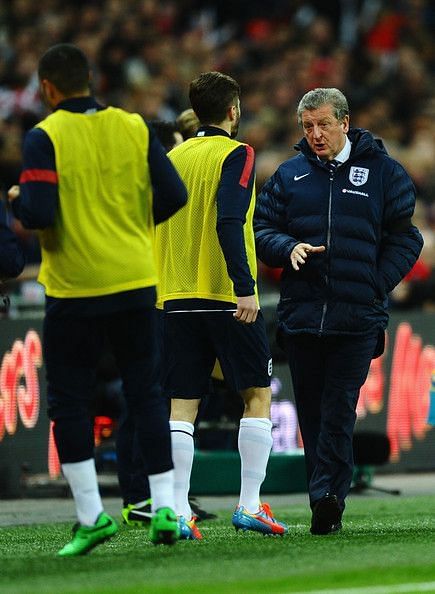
(337, 219)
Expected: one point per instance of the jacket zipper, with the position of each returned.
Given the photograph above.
(328, 243)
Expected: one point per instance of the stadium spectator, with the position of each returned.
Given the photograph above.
(207, 265)
(86, 184)
(337, 218)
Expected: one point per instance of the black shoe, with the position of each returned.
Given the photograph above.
(326, 516)
(200, 513)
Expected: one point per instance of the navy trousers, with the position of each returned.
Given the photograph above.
(132, 468)
(72, 347)
(327, 374)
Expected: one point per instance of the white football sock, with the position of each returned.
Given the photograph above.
(141, 503)
(82, 479)
(162, 490)
(255, 442)
(182, 456)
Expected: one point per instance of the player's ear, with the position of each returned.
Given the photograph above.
(47, 90)
(232, 113)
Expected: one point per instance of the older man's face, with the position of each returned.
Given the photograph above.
(324, 133)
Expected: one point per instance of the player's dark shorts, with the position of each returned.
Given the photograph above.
(193, 342)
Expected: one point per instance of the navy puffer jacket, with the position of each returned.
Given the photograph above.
(361, 214)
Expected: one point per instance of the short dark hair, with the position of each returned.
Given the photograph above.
(211, 94)
(165, 132)
(67, 67)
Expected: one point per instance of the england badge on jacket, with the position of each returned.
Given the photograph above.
(358, 175)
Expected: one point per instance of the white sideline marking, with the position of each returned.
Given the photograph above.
(390, 589)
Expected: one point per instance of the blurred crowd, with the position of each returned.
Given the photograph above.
(144, 53)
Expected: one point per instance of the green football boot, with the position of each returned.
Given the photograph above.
(85, 538)
(164, 527)
(137, 516)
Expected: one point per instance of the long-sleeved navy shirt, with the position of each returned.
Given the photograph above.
(38, 202)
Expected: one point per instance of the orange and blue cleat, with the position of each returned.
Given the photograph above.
(188, 529)
(262, 521)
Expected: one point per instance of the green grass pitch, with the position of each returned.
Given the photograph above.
(387, 541)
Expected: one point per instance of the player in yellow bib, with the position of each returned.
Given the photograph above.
(86, 185)
(207, 266)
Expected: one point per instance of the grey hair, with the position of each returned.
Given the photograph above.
(318, 97)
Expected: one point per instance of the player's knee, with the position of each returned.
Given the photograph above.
(184, 409)
(257, 402)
